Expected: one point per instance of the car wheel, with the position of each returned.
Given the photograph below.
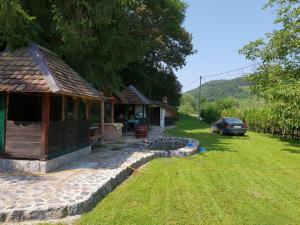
(221, 132)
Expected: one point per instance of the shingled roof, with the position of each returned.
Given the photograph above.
(36, 69)
(162, 105)
(134, 97)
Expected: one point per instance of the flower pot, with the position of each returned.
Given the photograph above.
(141, 131)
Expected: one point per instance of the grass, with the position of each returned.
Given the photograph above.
(239, 180)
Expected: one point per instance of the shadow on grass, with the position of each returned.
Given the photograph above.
(192, 127)
(293, 146)
(294, 151)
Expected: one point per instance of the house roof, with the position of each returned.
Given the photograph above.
(36, 69)
(134, 97)
(116, 96)
(162, 105)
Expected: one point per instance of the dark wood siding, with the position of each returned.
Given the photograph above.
(68, 135)
(23, 139)
(169, 121)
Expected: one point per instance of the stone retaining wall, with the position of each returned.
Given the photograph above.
(102, 185)
(38, 166)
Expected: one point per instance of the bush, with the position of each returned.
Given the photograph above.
(210, 112)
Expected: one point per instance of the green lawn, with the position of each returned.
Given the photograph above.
(239, 180)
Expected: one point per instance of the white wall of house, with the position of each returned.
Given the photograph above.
(162, 117)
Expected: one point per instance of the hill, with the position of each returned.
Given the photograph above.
(217, 89)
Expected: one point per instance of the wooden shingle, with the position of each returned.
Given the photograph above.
(37, 69)
(134, 97)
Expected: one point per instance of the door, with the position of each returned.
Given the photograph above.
(2, 121)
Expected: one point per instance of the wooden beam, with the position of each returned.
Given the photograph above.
(63, 108)
(88, 111)
(76, 108)
(143, 112)
(112, 111)
(102, 117)
(4, 99)
(126, 118)
(45, 123)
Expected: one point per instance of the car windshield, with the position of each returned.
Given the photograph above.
(232, 120)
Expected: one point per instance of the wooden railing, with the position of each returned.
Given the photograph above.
(67, 135)
(23, 139)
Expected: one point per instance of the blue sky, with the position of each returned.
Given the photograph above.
(219, 29)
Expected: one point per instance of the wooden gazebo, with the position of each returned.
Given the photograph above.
(44, 105)
(134, 106)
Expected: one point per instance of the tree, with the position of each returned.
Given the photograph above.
(277, 79)
(101, 38)
(187, 105)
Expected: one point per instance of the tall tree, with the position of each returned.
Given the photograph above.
(100, 38)
(155, 84)
(278, 77)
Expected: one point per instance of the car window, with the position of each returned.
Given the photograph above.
(233, 120)
(219, 121)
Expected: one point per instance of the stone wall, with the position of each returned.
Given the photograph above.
(38, 166)
(112, 131)
(166, 143)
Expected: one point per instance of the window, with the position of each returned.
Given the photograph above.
(24, 107)
(81, 110)
(95, 113)
(55, 108)
(69, 108)
(107, 113)
(232, 120)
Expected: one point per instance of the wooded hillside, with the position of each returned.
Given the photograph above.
(218, 89)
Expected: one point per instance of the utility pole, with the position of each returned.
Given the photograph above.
(199, 98)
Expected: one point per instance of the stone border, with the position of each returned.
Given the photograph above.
(38, 166)
(94, 198)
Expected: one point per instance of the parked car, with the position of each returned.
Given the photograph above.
(228, 125)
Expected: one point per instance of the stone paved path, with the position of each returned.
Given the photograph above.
(61, 193)
(77, 187)
(24, 197)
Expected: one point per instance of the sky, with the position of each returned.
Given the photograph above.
(219, 29)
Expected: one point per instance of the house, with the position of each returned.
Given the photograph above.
(161, 114)
(44, 110)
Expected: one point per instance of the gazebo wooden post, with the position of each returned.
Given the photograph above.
(88, 111)
(63, 108)
(112, 111)
(76, 107)
(143, 112)
(102, 117)
(147, 117)
(45, 123)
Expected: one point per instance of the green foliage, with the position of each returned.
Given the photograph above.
(212, 111)
(277, 79)
(16, 25)
(188, 105)
(100, 39)
(218, 89)
(153, 83)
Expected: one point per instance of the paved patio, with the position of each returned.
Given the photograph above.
(74, 189)
(58, 194)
